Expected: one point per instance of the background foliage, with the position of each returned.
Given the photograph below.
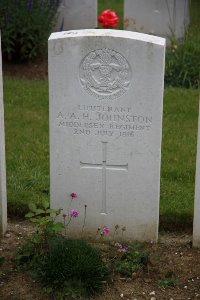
(182, 57)
(25, 27)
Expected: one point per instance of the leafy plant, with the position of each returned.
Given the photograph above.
(65, 267)
(25, 27)
(45, 219)
(132, 260)
(46, 227)
(170, 279)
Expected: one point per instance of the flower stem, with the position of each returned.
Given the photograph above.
(84, 219)
(98, 230)
(68, 222)
(69, 206)
(65, 227)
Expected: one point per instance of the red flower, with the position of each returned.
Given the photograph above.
(108, 18)
(73, 195)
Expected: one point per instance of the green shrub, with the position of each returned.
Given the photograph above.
(74, 260)
(25, 27)
(183, 63)
(64, 266)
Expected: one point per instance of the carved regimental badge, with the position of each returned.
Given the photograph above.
(105, 74)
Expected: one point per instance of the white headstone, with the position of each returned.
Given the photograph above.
(3, 198)
(196, 222)
(159, 17)
(106, 102)
(77, 14)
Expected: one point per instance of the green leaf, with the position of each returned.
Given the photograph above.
(39, 211)
(46, 219)
(50, 210)
(34, 220)
(47, 290)
(45, 204)
(32, 207)
(58, 211)
(29, 215)
(57, 227)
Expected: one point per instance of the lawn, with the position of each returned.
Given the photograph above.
(27, 149)
(178, 155)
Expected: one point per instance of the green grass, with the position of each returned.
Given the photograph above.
(26, 126)
(194, 17)
(178, 155)
(27, 149)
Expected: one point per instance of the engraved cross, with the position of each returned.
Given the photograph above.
(104, 167)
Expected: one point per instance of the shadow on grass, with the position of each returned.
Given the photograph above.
(176, 223)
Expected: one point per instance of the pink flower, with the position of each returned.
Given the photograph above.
(74, 213)
(73, 195)
(105, 230)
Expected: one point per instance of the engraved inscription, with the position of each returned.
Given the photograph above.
(105, 74)
(104, 167)
(104, 121)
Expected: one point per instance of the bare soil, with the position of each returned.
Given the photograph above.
(173, 253)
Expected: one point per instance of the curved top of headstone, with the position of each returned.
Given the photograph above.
(109, 32)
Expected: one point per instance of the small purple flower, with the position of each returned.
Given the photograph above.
(121, 247)
(125, 247)
(74, 213)
(73, 195)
